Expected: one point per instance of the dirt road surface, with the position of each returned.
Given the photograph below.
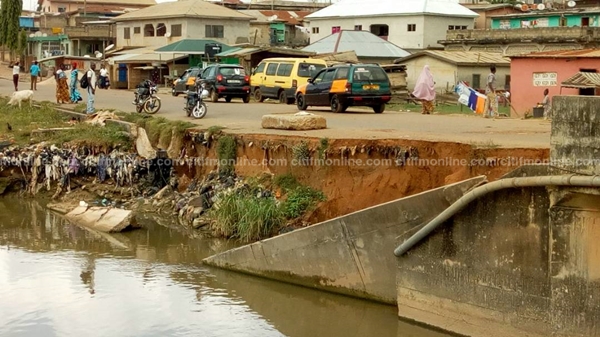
(357, 123)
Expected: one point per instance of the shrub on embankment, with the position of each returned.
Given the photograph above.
(257, 210)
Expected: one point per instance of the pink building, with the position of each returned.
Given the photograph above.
(532, 73)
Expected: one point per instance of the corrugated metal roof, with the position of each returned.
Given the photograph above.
(591, 53)
(240, 52)
(190, 46)
(145, 58)
(353, 8)
(363, 43)
(184, 8)
(582, 80)
(463, 58)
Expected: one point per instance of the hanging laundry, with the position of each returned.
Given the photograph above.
(469, 97)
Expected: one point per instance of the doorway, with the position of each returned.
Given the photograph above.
(585, 22)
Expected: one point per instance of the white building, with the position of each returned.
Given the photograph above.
(409, 24)
(170, 22)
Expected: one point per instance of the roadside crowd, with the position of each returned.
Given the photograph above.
(67, 89)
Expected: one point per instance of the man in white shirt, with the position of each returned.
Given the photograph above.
(91, 89)
(103, 77)
(16, 70)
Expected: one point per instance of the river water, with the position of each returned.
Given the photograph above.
(57, 279)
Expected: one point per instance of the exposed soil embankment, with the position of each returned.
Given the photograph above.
(355, 174)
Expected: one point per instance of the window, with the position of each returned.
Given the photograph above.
(285, 69)
(136, 30)
(315, 30)
(367, 74)
(342, 73)
(584, 70)
(335, 29)
(272, 68)
(232, 71)
(476, 81)
(62, 9)
(329, 75)
(176, 30)
(309, 69)
(507, 83)
(260, 69)
(149, 30)
(456, 27)
(161, 29)
(411, 27)
(357, 27)
(126, 33)
(319, 77)
(380, 30)
(463, 27)
(585, 22)
(214, 31)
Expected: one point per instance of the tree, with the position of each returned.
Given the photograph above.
(22, 43)
(10, 11)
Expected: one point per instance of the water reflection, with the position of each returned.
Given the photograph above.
(57, 279)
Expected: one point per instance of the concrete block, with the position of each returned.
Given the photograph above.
(109, 220)
(294, 122)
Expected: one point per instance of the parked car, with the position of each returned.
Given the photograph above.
(343, 86)
(185, 81)
(227, 80)
(280, 77)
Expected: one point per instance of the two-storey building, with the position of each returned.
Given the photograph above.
(169, 22)
(409, 24)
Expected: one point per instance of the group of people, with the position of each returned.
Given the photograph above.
(68, 92)
(425, 91)
(34, 70)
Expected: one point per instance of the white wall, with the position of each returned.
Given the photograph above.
(437, 26)
(429, 29)
(193, 28)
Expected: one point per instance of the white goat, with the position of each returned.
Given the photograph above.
(20, 96)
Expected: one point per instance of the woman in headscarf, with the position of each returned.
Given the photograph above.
(425, 90)
(62, 88)
(75, 96)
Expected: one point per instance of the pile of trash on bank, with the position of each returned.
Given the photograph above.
(40, 166)
(192, 206)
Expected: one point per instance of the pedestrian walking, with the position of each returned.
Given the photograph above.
(74, 92)
(425, 90)
(91, 88)
(16, 70)
(491, 103)
(34, 70)
(104, 83)
(62, 88)
(547, 104)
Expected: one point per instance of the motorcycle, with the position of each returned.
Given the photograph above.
(194, 101)
(146, 99)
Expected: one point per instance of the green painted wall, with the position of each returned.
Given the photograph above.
(553, 21)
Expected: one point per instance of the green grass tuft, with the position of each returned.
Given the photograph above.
(300, 200)
(246, 217)
(227, 153)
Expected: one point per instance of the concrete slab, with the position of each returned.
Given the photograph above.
(298, 121)
(102, 219)
(351, 255)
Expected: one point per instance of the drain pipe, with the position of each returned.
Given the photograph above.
(563, 180)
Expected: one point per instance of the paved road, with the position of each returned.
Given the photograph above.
(356, 123)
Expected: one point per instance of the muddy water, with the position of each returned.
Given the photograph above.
(57, 279)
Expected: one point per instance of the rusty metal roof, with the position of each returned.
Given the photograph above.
(464, 58)
(582, 80)
(591, 53)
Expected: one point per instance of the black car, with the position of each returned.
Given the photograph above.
(227, 80)
(185, 81)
